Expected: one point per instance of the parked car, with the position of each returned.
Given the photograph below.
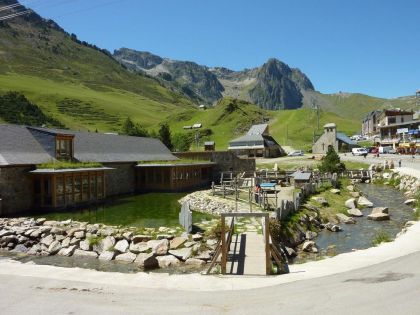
(387, 150)
(359, 151)
(373, 150)
(296, 153)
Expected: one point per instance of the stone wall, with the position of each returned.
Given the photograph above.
(225, 160)
(16, 189)
(120, 180)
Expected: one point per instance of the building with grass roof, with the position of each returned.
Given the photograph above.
(42, 168)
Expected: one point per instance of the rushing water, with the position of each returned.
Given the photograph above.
(361, 235)
(146, 210)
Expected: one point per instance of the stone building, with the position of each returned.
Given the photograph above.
(24, 185)
(339, 141)
(257, 143)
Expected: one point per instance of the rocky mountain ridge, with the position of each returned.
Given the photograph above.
(274, 85)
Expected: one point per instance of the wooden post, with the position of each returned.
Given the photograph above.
(223, 187)
(267, 245)
(224, 247)
(212, 187)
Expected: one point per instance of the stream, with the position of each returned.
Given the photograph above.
(360, 235)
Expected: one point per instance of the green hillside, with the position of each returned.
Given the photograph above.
(77, 83)
(228, 119)
(296, 127)
(231, 118)
(356, 106)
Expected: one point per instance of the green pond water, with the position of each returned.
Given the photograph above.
(145, 210)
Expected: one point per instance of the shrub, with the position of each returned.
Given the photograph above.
(216, 231)
(381, 237)
(331, 163)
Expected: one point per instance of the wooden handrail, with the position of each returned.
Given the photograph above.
(219, 246)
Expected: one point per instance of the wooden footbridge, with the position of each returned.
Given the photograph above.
(247, 253)
(361, 175)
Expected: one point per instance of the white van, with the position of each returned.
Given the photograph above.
(359, 151)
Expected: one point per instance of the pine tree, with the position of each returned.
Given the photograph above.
(165, 136)
(331, 162)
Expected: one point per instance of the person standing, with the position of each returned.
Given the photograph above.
(257, 193)
(399, 163)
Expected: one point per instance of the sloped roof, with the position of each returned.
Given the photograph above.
(26, 145)
(344, 138)
(257, 129)
(301, 175)
(19, 147)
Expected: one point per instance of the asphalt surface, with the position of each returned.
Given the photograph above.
(392, 287)
(406, 160)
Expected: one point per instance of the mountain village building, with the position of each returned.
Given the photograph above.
(123, 168)
(257, 143)
(339, 141)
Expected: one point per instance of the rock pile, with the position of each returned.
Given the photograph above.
(78, 239)
(204, 201)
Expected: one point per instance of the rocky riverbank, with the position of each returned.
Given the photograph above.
(148, 250)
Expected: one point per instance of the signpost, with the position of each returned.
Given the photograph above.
(185, 217)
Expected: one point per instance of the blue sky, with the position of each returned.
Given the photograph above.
(365, 46)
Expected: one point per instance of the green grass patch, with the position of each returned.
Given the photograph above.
(350, 165)
(94, 240)
(381, 237)
(61, 165)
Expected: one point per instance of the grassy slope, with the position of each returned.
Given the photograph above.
(296, 127)
(225, 124)
(48, 66)
(355, 106)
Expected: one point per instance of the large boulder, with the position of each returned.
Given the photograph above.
(350, 203)
(139, 247)
(410, 201)
(309, 246)
(122, 246)
(355, 194)
(85, 245)
(335, 191)
(159, 247)
(83, 253)
(107, 255)
(47, 240)
(67, 251)
(364, 202)
(204, 255)
(146, 261)
(332, 227)
(342, 218)
(309, 235)
(182, 254)
(105, 244)
(378, 217)
(290, 252)
(355, 212)
(380, 210)
(54, 247)
(177, 242)
(126, 257)
(140, 238)
(167, 261)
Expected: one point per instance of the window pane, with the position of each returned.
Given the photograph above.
(59, 185)
(77, 184)
(69, 184)
(92, 186)
(85, 183)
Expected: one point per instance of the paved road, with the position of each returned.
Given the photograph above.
(406, 160)
(392, 287)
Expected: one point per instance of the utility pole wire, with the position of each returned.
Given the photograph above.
(10, 16)
(8, 7)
